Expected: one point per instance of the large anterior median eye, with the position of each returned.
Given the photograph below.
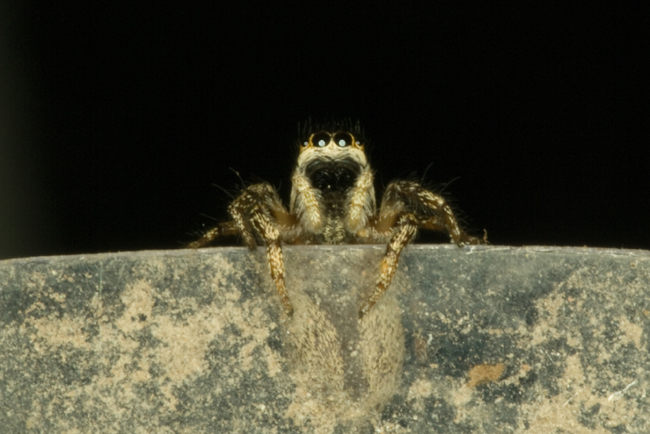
(343, 139)
(321, 139)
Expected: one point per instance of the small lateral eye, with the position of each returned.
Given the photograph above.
(321, 139)
(343, 139)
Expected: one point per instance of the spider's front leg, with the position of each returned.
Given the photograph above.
(222, 230)
(258, 213)
(407, 206)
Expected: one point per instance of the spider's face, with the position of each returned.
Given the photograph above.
(332, 161)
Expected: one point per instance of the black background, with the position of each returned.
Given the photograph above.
(530, 116)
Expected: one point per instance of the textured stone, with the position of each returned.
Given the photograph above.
(473, 340)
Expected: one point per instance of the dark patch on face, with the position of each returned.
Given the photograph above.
(333, 176)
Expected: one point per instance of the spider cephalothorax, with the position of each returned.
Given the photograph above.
(332, 195)
(333, 202)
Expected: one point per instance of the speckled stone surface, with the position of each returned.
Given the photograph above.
(474, 340)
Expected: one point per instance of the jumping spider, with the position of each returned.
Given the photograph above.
(333, 202)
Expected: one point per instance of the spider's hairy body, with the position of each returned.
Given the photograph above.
(333, 193)
(333, 202)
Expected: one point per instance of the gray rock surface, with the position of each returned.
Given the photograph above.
(474, 340)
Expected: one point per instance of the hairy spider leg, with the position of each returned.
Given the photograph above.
(222, 230)
(413, 197)
(304, 201)
(362, 202)
(257, 211)
(268, 230)
(406, 229)
(412, 207)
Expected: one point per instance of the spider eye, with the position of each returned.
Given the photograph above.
(343, 139)
(321, 139)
